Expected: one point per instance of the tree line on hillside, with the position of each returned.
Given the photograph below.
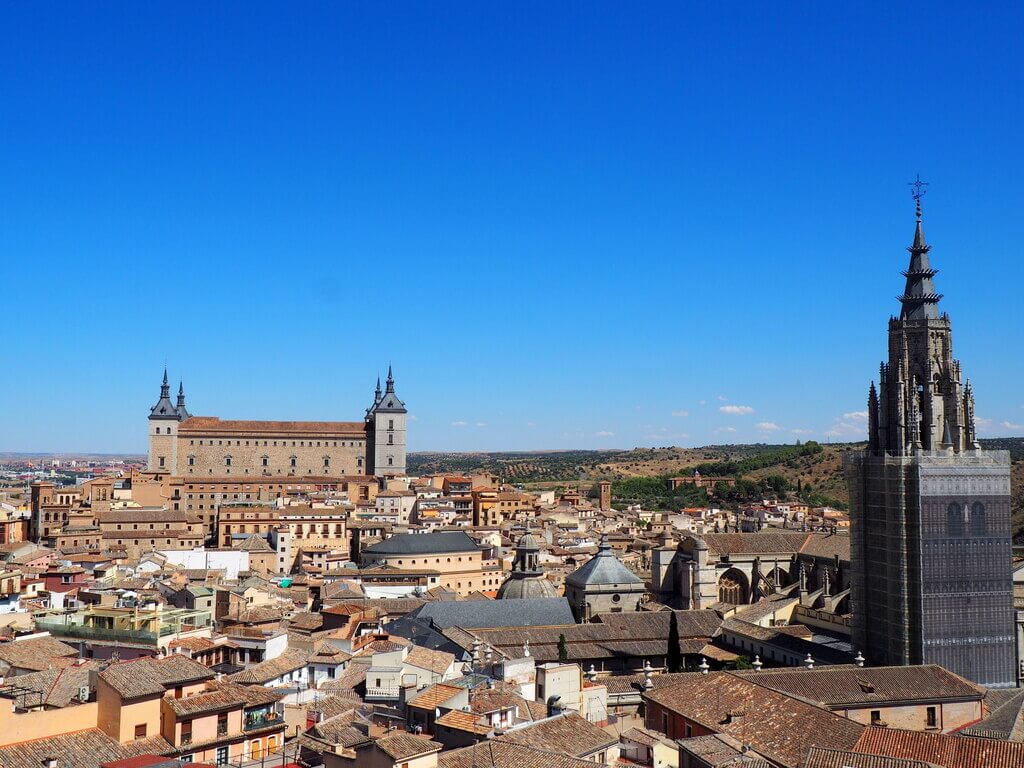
(656, 492)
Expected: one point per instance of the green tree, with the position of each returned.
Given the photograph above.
(563, 649)
(672, 656)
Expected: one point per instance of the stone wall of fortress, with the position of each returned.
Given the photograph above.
(207, 455)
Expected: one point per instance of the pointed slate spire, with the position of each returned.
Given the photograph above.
(164, 409)
(391, 381)
(182, 410)
(919, 299)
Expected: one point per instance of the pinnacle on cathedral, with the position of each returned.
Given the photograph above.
(920, 403)
(919, 299)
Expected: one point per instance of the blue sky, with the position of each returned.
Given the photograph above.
(597, 225)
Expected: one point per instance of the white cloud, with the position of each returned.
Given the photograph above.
(982, 422)
(604, 433)
(481, 423)
(531, 424)
(768, 426)
(723, 398)
(413, 417)
(856, 416)
(801, 431)
(458, 423)
(680, 414)
(725, 429)
(736, 410)
(703, 402)
(1011, 425)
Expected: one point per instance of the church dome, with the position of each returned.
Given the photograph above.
(602, 568)
(518, 587)
(527, 541)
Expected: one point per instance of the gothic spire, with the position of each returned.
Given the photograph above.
(165, 388)
(391, 381)
(182, 411)
(919, 299)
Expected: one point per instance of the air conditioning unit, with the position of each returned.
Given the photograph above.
(83, 693)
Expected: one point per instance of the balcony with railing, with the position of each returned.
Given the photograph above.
(122, 624)
(259, 719)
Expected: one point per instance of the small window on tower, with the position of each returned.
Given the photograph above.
(954, 520)
(978, 525)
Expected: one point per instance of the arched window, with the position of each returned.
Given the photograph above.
(954, 520)
(978, 525)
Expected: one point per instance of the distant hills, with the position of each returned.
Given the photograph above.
(814, 473)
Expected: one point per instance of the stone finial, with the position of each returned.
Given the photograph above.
(704, 666)
(526, 649)
(809, 662)
(757, 664)
(859, 659)
(648, 673)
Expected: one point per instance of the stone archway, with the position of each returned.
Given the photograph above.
(734, 587)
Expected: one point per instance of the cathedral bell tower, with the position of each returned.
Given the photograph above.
(930, 544)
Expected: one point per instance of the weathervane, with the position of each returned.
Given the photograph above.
(919, 188)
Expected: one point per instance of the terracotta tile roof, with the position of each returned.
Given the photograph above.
(202, 425)
(433, 696)
(148, 677)
(266, 671)
(200, 703)
(767, 543)
(433, 661)
(776, 725)
(820, 757)
(568, 734)
(502, 754)
(51, 687)
(944, 750)
(1005, 719)
(404, 746)
(81, 749)
(838, 686)
(37, 653)
(458, 720)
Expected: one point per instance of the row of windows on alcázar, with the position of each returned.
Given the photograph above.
(184, 444)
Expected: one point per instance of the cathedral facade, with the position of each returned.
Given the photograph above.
(208, 447)
(930, 510)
